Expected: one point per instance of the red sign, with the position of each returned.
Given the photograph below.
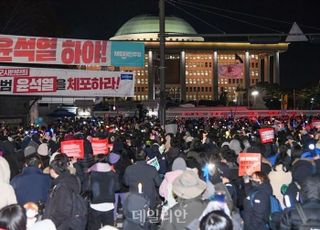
(266, 135)
(249, 163)
(28, 49)
(73, 148)
(100, 146)
(316, 124)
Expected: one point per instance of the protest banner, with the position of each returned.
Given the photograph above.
(100, 146)
(65, 82)
(230, 70)
(73, 148)
(69, 51)
(249, 163)
(266, 135)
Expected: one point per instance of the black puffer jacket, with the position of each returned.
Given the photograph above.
(257, 207)
(290, 218)
(59, 205)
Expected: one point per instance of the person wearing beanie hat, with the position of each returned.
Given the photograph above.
(179, 164)
(165, 190)
(188, 187)
(235, 146)
(301, 169)
(29, 151)
(43, 153)
(43, 150)
(113, 158)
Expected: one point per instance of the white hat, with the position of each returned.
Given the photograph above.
(53, 156)
(43, 224)
(188, 185)
(43, 150)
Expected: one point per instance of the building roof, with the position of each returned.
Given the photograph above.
(146, 28)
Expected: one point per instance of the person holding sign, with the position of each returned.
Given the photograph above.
(257, 202)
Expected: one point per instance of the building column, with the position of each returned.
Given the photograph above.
(247, 70)
(247, 77)
(215, 77)
(276, 66)
(271, 69)
(267, 68)
(183, 95)
(261, 70)
(151, 90)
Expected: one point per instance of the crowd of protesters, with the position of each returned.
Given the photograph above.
(193, 185)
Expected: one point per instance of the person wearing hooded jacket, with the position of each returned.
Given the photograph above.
(310, 204)
(257, 203)
(59, 205)
(8, 195)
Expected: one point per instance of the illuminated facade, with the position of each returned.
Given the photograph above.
(193, 65)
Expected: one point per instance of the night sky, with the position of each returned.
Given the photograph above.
(100, 19)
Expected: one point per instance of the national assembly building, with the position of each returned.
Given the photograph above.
(197, 69)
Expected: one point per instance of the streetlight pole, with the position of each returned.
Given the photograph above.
(162, 107)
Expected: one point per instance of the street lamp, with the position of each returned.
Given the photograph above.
(254, 93)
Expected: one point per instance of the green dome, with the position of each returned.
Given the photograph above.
(150, 24)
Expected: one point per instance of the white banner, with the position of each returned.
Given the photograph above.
(65, 82)
(46, 50)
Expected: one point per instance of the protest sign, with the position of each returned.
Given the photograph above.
(154, 162)
(249, 163)
(266, 135)
(73, 148)
(171, 128)
(99, 146)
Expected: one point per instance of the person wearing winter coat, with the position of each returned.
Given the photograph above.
(8, 195)
(279, 176)
(59, 205)
(188, 187)
(32, 185)
(120, 166)
(143, 173)
(310, 203)
(103, 183)
(257, 203)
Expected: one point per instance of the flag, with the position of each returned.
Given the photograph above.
(237, 57)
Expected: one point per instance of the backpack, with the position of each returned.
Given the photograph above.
(307, 224)
(274, 203)
(292, 194)
(79, 214)
(275, 210)
(78, 220)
